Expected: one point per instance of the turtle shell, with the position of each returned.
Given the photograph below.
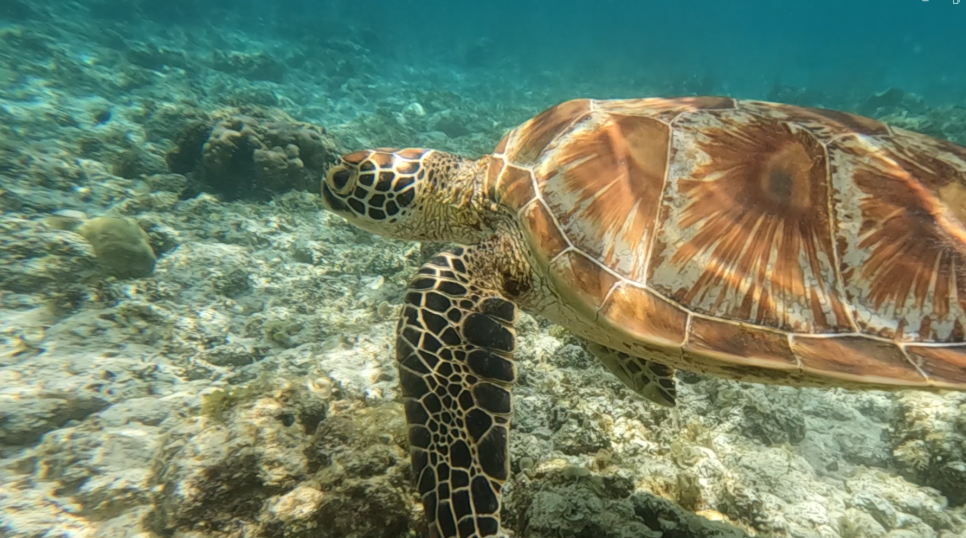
(736, 236)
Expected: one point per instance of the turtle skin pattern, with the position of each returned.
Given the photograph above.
(453, 349)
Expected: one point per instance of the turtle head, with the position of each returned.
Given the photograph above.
(413, 193)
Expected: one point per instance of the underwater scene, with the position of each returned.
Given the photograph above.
(274, 269)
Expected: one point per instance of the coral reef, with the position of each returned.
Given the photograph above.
(948, 122)
(279, 460)
(135, 162)
(40, 260)
(930, 442)
(559, 499)
(253, 155)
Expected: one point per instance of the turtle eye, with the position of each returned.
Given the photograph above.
(339, 179)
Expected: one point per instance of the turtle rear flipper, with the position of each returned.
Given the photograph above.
(652, 380)
(453, 347)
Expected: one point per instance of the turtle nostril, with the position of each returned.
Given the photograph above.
(340, 179)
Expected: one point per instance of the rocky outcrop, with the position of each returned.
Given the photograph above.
(253, 154)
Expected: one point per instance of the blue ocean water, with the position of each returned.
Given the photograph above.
(232, 372)
(741, 48)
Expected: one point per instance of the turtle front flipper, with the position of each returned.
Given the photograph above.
(650, 379)
(453, 347)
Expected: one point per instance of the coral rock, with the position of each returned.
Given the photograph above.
(252, 156)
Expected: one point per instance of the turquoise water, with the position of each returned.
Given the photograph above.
(191, 346)
(744, 49)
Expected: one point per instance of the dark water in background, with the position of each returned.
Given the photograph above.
(741, 48)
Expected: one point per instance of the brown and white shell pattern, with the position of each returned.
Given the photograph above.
(741, 236)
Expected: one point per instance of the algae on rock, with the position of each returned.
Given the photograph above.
(120, 245)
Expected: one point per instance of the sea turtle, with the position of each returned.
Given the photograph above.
(743, 239)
